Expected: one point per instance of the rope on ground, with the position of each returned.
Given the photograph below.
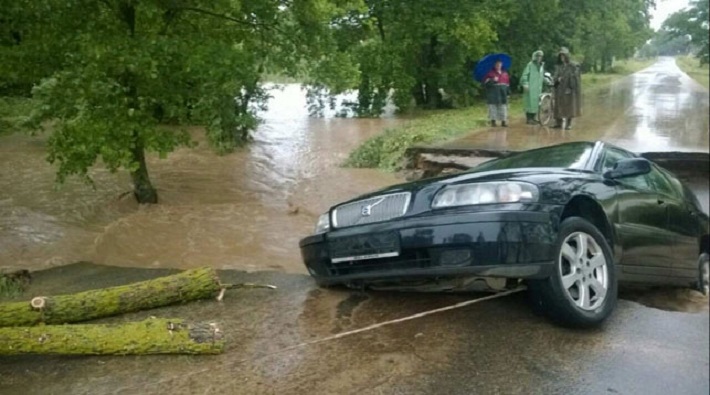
(395, 321)
(356, 331)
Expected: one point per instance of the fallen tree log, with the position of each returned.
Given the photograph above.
(182, 287)
(152, 336)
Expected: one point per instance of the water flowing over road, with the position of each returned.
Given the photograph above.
(245, 210)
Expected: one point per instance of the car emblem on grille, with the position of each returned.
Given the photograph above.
(366, 210)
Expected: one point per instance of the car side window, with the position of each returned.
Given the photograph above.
(611, 156)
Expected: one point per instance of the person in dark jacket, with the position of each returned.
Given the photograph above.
(568, 90)
(497, 84)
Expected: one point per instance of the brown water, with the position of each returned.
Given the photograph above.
(245, 210)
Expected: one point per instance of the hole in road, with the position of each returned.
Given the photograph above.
(668, 299)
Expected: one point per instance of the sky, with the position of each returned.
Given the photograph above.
(664, 8)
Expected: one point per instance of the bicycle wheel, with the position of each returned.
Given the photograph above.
(544, 112)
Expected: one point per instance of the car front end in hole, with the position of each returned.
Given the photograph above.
(451, 236)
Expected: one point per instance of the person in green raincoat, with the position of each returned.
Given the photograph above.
(531, 81)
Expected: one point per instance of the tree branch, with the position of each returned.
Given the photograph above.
(253, 25)
(223, 16)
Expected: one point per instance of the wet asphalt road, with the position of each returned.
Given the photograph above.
(659, 108)
(494, 347)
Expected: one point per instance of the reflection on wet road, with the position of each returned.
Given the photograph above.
(657, 109)
(496, 346)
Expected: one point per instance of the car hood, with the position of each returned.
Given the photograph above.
(533, 175)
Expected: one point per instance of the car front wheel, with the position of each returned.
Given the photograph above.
(582, 292)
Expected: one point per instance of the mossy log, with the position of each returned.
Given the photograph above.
(182, 287)
(152, 336)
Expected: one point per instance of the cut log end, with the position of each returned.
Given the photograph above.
(182, 287)
(38, 303)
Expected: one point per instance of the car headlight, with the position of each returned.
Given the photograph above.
(323, 224)
(485, 193)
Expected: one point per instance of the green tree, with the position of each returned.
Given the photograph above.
(421, 52)
(418, 50)
(692, 22)
(609, 29)
(664, 43)
(124, 68)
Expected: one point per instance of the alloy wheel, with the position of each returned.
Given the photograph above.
(583, 271)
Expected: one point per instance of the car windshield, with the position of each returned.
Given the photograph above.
(567, 156)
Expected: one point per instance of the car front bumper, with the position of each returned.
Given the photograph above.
(508, 244)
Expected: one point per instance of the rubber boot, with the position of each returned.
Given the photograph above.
(504, 124)
(558, 123)
(530, 118)
(568, 126)
(493, 123)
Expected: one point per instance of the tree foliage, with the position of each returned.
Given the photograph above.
(120, 69)
(664, 43)
(609, 29)
(109, 74)
(691, 25)
(421, 52)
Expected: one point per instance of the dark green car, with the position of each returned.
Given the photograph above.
(571, 221)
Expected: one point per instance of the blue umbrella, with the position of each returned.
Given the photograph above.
(486, 64)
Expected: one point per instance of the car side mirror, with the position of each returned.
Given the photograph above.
(629, 168)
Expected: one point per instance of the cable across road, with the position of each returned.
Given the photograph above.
(342, 335)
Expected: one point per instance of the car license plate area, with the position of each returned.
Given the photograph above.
(364, 247)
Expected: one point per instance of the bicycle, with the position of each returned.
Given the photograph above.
(546, 102)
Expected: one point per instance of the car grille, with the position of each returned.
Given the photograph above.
(376, 209)
(407, 261)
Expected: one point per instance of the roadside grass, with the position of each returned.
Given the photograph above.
(386, 150)
(621, 68)
(691, 66)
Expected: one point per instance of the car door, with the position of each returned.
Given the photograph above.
(683, 223)
(642, 222)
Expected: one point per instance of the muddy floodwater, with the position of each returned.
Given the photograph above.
(245, 210)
